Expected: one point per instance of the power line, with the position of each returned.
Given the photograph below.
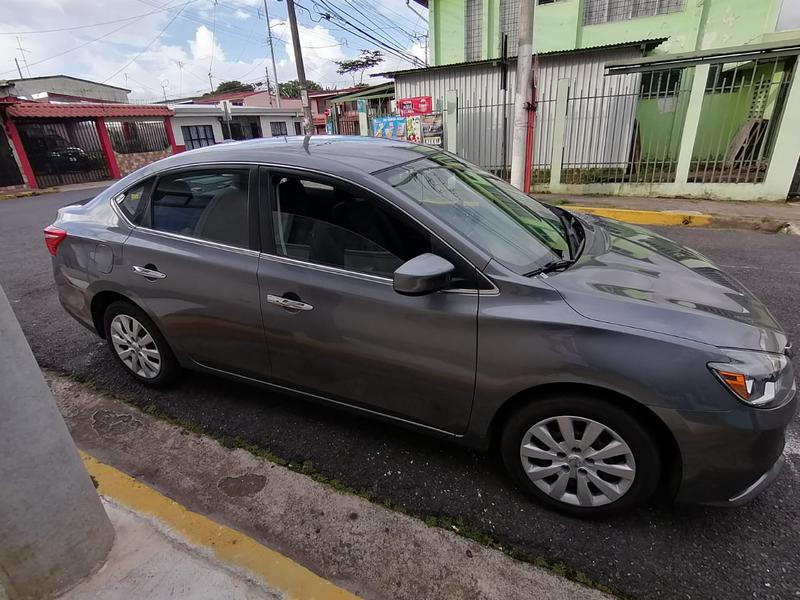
(153, 41)
(89, 26)
(344, 23)
(79, 46)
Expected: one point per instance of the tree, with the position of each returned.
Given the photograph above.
(232, 86)
(291, 89)
(367, 59)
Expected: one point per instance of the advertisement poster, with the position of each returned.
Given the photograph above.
(432, 129)
(389, 127)
(418, 105)
(414, 129)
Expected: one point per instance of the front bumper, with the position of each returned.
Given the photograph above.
(729, 457)
(755, 488)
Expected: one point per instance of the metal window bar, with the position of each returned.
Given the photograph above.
(509, 24)
(473, 28)
(605, 11)
(742, 108)
(130, 136)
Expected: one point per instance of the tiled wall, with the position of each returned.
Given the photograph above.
(128, 163)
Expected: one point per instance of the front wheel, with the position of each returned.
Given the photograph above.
(138, 345)
(580, 455)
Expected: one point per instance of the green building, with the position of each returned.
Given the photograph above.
(470, 30)
(695, 98)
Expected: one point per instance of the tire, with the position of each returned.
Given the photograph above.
(594, 484)
(149, 358)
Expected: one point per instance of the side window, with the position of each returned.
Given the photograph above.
(130, 202)
(328, 225)
(209, 204)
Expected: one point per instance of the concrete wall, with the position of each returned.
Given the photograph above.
(558, 26)
(266, 130)
(181, 121)
(69, 87)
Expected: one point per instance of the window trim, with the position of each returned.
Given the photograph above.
(268, 234)
(253, 244)
(255, 184)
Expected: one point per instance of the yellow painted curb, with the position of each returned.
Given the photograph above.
(646, 217)
(227, 545)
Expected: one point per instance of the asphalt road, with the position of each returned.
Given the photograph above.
(653, 552)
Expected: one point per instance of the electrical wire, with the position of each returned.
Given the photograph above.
(153, 41)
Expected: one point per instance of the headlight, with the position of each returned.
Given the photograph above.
(758, 378)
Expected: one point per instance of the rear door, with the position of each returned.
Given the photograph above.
(192, 261)
(334, 324)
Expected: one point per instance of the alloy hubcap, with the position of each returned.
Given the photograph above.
(135, 346)
(577, 461)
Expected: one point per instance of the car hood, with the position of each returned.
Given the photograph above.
(630, 276)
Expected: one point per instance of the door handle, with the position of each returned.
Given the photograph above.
(148, 273)
(288, 303)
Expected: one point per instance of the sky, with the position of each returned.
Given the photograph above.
(168, 47)
(158, 47)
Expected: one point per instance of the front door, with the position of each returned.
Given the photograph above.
(193, 265)
(334, 324)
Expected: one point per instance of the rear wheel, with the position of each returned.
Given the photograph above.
(138, 345)
(580, 455)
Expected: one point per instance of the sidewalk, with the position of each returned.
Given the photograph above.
(765, 216)
(771, 217)
(270, 530)
(149, 561)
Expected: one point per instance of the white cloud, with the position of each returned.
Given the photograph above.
(241, 15)
(204, 46)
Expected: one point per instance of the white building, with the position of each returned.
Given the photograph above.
(197, 125)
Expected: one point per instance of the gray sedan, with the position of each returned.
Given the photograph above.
(605, 363)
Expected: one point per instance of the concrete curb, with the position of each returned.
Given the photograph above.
(225, 544)
(670, 218)
(647, 217)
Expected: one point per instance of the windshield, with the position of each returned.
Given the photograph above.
(512, 228)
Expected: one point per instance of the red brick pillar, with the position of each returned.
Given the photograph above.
(108, 149)
(171, 136)
(24, 163)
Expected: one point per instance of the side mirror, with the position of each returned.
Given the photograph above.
(425, 274)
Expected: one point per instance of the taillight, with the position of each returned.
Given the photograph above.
(53, 236)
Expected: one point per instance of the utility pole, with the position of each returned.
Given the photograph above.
(269, 84)
(301, 71)
(18, 69)
(22, 52)
(210, 83)
(53, 528)
(272, 54)
(523, 90)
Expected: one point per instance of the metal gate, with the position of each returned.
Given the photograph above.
(9, 171)
(64, 151)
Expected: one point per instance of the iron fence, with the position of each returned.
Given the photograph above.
(129, 136)
(543, 126)
(484, 135)
(627, 132)
(64, 151)
(740, 116)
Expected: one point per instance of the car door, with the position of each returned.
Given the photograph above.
(334, 324)
(192, 261)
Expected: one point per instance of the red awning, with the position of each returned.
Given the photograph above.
(48, 110)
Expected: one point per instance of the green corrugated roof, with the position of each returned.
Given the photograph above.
(368, 93)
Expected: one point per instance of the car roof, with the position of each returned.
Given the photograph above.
(319, 152)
